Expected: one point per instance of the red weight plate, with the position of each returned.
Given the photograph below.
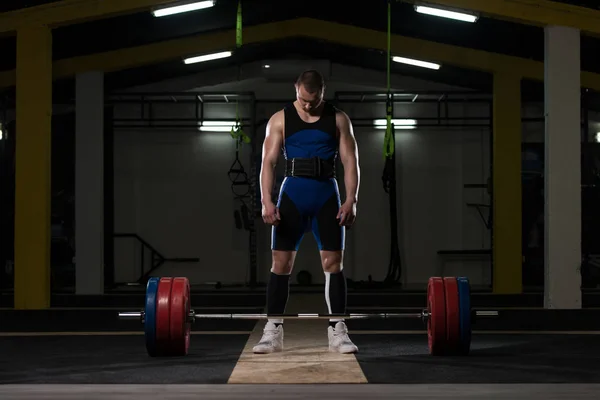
(163, 316)
(180, 310)
(436, 323)
(452, 315)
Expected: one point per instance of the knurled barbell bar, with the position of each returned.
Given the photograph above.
(424, 315)
(167, 316)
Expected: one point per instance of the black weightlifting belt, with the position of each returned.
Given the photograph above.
(315, 167)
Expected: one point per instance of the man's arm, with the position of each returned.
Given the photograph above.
(348, 156)
(270, 154)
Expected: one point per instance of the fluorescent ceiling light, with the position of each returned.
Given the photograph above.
(216, 126)
(198, 5)
(207, 57)
(398, 123)
(416, 63)
(598, 137)
(438, 12)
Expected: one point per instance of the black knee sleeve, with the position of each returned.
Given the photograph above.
(278, 290)
(335, 292)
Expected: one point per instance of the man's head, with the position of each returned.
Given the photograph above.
(310, 88)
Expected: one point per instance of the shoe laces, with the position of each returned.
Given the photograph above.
(341, 334)
(269, 334)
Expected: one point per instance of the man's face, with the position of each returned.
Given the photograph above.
(308, 101)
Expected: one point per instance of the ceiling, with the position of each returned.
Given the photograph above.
(142, 28)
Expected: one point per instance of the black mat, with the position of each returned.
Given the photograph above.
(115, 359)
(494, 359)
(383, 358)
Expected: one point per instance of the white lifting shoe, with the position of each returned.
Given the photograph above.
(271, 341)
(339, 341)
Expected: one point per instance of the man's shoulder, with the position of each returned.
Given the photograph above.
(340, 115)
(277, 119)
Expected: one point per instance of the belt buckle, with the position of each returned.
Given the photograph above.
(293, 166)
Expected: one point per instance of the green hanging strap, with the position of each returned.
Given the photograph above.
(388, 141)
(236, 130)
(238, 26)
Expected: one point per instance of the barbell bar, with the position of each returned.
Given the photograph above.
(192, 315)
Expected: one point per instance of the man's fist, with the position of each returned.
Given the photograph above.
(347, 214)
(270, 214)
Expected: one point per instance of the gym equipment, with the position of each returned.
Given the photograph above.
(464, 303)
(304, 278)
(436, 323)
(167, 316)
(452, 314)
(150, 316)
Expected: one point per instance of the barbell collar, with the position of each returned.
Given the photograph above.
(131, 315)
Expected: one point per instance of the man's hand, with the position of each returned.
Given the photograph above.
(347, 213)
(270, 214)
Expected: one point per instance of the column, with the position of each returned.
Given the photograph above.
(562, 169)
(89, 183)
(506, 185)
(33, 151)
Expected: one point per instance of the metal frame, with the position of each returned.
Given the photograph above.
(147, 100)
(442, 99)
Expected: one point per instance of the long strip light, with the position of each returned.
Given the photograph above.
(398, 123)
(438, 12)
(207, 57)
(198, 5)
(416, 63)
(216, 126)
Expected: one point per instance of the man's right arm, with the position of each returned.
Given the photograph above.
(270, 154)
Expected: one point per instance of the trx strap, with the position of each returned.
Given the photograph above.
(240, 185)
(389, 140)
(236, 131)
(389, 172)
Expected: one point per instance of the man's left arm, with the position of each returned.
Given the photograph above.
(349, 156)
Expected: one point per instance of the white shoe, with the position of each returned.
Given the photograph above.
(339, 341)
(271, 341)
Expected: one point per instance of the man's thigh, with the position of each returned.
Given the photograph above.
(288, 234)
(330, 236)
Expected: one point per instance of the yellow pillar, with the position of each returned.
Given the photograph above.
(33, 149)
(506, 192)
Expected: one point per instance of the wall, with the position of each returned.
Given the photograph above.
(171, 187)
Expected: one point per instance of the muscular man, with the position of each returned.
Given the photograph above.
(311, 133)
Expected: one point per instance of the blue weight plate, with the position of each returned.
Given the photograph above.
(464, 298)
(150, 316)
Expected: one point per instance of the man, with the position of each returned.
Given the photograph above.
(311, 133)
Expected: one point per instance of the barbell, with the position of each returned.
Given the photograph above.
(167, 316)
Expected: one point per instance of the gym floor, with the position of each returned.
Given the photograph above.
(383, 358)
(525, 354)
